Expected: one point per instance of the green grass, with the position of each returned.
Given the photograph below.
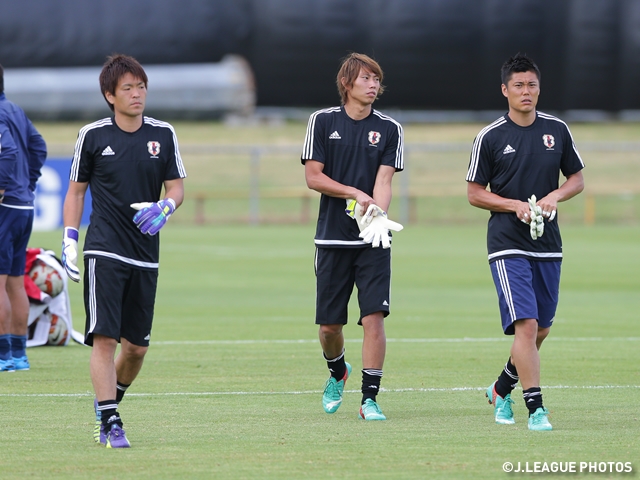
(231, 384)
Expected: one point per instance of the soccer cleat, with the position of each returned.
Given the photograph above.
(332, 396)
(502, 406)
(99, 434)
(538, 420)
(21, 363)
(116, 437)
(371, 411)
(7, 365)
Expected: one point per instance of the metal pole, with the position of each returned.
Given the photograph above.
(254, 185)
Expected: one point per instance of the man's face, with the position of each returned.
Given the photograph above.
(365, 88)
(522, 91)
(129, 97)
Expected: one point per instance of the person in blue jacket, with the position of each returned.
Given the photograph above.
(22, 154)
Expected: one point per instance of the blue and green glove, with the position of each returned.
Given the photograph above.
(151, 217)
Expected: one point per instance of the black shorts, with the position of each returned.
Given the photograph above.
(339, 269)
(118, 300)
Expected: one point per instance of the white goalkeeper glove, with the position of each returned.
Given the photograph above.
(354, 210)
(536, 224)
(70, 253)
(378, 230)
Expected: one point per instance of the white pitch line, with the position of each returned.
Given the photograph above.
(311, 392)
(394, 340)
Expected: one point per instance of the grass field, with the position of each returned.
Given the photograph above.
(232, 382)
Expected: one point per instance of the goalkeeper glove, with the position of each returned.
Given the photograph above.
(378, 230)
(70, 253)
(536, 223)
(354, 210)
(152, 217)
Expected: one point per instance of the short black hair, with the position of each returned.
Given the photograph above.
(517, 64)
(1, 79)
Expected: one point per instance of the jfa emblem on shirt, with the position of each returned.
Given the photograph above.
(374, 137)
(548, 141)
(154, 148)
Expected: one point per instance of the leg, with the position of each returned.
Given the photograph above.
(524, 353)
(331, 340)
(6, 362)
(129, 361)
(374, 344)
(542, 334)
(5, 307)
(102, 367)
(374, 347)
(19, 321)
(19, 305)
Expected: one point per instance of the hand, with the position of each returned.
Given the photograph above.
(152, 217)
(371, 212)
(70, 253)
(355, 211)
(378, 231)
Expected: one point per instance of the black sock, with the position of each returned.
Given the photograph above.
(121, 388)
(370, 383)
(109, 413)
(336, 366)
(507, 380)
(532, 398)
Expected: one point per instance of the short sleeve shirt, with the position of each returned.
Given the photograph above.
(351, 152)
(124, 168)
(518, 162)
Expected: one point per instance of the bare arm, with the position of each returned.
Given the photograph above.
(74, 204)
(569, 189)
(174, 189)
(382, 188)
(318, 181)
(480, 197)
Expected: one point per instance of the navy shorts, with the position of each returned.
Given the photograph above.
(526, 289)
(118, 300)
(339, 269)
(15, 230)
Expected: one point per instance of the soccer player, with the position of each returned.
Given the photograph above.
(126, 159)
(520, 155)
(351, 153)
(22, 153)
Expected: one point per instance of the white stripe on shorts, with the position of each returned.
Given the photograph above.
(506, 288)
(92, 295)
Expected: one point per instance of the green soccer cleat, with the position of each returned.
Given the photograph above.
(99, 435)
(332, 396)
(502, 406)
(371, 411)
(538, 420)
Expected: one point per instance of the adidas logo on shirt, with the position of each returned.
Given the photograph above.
(508, 149)
(108, 151)
(335, 136)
